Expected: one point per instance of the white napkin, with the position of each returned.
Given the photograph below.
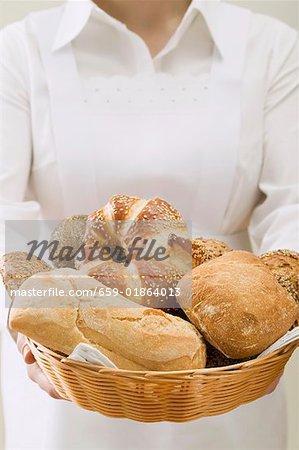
(290, 336)
(89, 354)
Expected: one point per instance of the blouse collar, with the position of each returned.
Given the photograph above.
(76, 14)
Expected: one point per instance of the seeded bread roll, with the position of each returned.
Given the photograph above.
(133, 337)
(124, 218)
(151, 225)
(206, 249)
(68, 233)
(284, 264)
(237, 304)
(15, 268)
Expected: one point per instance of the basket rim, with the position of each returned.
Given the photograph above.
(152, 374)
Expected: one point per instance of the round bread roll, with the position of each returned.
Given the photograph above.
(15, 268)
(68, 233)
(237, 304)
(284, 264)
(206, 249)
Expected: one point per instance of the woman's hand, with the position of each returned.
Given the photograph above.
(273, 385)
(33, 370)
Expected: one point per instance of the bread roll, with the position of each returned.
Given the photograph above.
(124, 219)
(284, 264)
(133, 337)
(237, 304)
(15, 268)
(150, 284)
(68, 233)
(206, 249)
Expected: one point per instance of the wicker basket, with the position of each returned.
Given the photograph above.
(161, 396)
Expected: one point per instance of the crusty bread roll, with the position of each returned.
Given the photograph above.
(15, 268)
(133, 337)
(237, 304)
(68, 233)
(124, 219)
(206, 249)
(284, 264)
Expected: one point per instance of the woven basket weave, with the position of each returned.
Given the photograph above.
(161, 396)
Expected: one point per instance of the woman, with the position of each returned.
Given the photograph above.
(193, 101)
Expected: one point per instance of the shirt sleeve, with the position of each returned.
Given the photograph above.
(275, 220)
(16, 136)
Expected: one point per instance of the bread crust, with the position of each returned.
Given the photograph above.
(69, 233)
(133, 337)
(15, 268)
(124, 219)
(206, 249)
(237, 304)
(284, 264)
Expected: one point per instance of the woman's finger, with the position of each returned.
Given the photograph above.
(33, 370)
(24, 349)
(273, 385)
(36, 374)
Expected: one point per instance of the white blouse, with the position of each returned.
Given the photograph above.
(118, 73)
(149, 119)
